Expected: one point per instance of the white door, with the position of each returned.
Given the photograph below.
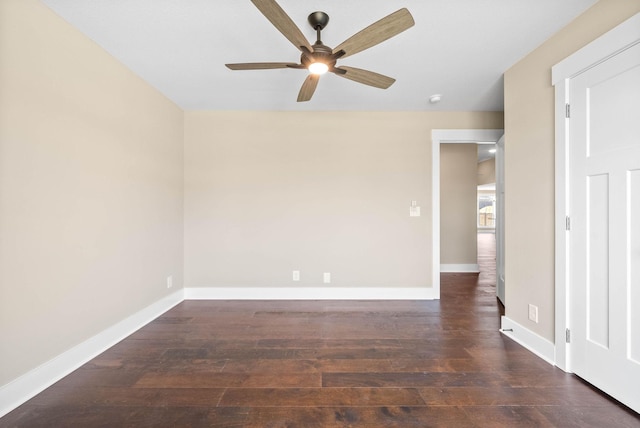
(500, 220)
(604, 241)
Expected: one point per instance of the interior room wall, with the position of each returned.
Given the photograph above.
(90, 189)
(265, 194)
(458, 193)
(487, 171)
(529, 164)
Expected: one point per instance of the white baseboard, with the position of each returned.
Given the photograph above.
(32, 383)
(460, 268)
(530, 340)
(311, 293)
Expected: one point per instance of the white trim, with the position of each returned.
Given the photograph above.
(561, 234)
(500, 222)
(530, 340)
(604, 47)
(611, 43)
(35, 381)
(440, 136)
(468, 268)
(310, 293)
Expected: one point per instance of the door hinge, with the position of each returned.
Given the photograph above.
(567, 223)
(567, 110)
(567, 334)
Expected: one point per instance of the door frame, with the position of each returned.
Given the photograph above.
(443, 136)
(500, 212)
(606, 46)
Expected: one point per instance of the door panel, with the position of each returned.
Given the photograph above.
(598, 259)
(633, 199)
(616, 128)
(604, 243)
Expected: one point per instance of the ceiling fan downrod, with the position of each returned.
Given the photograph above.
(318, 21)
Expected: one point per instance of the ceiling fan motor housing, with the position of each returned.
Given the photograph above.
(321, 53)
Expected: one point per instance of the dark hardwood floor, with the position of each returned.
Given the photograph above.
(326, 364)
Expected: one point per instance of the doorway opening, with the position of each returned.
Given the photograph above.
(451, 136)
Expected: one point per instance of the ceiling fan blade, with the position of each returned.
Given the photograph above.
(261, 65)
(378, 32)
(308, 87)
(279, 18)
(366, 77)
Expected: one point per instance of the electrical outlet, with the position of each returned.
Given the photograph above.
(327, 277)
(296, 275)
(533, 313)
(170, 281)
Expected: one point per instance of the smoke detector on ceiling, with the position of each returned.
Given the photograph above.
(435, 99)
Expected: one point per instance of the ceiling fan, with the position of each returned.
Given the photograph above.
(319, 58)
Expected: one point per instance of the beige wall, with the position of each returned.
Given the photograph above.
(487, 172)
(90, 189)
(91, 192)
(265, 194)
(458, 200)
(529, 164)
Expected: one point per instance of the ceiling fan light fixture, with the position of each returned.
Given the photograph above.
(318, 68)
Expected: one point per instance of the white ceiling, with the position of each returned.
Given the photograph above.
(458, 48)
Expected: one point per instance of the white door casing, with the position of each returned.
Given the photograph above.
(500, 281)
(598, 188)
(442, 136)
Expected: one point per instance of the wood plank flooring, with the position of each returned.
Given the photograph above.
(326, 364)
